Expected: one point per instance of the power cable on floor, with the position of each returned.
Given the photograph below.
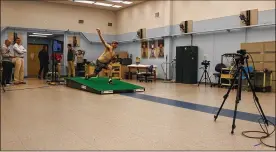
(261, 121)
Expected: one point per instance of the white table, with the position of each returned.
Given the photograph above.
(140, 66)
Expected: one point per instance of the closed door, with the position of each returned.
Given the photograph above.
(179, 64)
(190, 65)
(33, 61)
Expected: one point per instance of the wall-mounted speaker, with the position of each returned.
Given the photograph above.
(249, 17)
(141, 33)
(186, 26)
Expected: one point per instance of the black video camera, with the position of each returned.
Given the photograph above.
(205, 63)
(241, 52)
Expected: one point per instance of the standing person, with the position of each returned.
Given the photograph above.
(107, 57)
(44, 61)
(57, 63)
(71, 61)
(7, 57)
(19, 52)
(80, 60)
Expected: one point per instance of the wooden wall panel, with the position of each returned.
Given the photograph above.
(257, 57)
(254, 17)
(270, 66)
(269, 57)
(258, 66)
(269, 46)
(256, 47)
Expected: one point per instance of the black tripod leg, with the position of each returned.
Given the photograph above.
(226, 95)
(209, 78)
(205, 77)
(238, 98)
(200, 79)
(256, 99)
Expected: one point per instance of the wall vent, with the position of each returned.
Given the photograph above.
(109, 24)
(157, 14)
(81, 21)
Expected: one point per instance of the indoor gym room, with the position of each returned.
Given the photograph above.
(137, 75)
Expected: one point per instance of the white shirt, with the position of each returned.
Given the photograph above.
(6, 53)
(19, 50)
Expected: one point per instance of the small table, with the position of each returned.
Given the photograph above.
(141, 66)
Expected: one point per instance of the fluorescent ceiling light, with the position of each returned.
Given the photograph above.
(38, 35)
(116, 6)
(41, 34)
(87, 2)
(126, 2)
(117, 1)
(103, 4)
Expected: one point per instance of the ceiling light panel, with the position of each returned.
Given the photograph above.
(41, 34)
(127, 2)
(86, 2)
(117, 1)
(38, 35)
(103, 4)
(116, 6)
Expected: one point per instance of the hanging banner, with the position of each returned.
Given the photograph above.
(160, 50)
(152, 49)
(144, 49)
(74, 40)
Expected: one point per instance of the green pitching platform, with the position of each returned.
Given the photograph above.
(100, 85)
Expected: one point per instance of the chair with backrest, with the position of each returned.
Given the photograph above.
(218, 72)
(146, 76)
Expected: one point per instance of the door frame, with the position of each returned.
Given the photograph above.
(28, 54)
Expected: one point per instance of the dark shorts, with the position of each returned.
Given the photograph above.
(100, 66)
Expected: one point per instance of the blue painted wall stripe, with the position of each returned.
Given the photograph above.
(201, 108)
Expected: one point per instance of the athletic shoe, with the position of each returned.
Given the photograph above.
(110, 81)
(86, 77)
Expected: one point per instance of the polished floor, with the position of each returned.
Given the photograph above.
(167, 116)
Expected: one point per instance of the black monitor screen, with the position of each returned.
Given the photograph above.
(57, 46)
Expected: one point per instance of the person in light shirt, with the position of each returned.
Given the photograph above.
(7, 57)
(19, 52)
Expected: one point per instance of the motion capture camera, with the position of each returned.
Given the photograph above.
(245, 18)
(205, 63)
(241, 52)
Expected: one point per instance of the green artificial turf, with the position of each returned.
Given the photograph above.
(101, 84)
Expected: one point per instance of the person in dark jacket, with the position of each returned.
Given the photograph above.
(71, 60)
(44, 61)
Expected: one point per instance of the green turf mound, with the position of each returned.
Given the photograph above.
(100, 85)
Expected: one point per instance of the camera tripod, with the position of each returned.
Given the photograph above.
(206, 76)
(240, 70)
(170, 65)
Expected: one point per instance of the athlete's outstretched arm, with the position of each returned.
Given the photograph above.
(101, 38)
